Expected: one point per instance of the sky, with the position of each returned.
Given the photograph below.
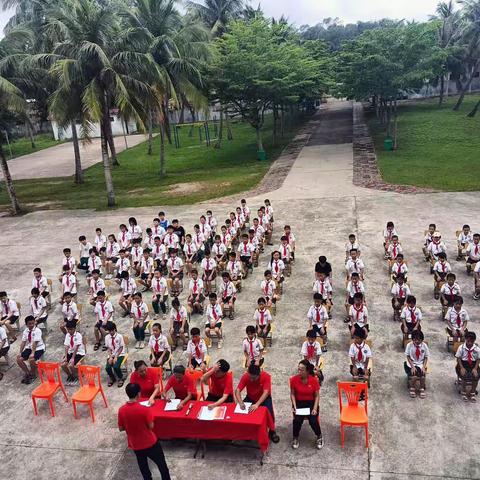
(311, 12)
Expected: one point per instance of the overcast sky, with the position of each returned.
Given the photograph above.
(313, 11)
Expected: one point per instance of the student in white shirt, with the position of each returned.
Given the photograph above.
(312, 353)
(263, 321)
(84, 247)
(463, 240)
(467, 367)
(417, 354)
(360, 355)
(427, 240)
(159, 347)
(388, 233)
(74, 351)
(353, 286)
(457, 319)
(159, 254)
(175, 272)
(195, 293)
(411, 316)
(4, 345)
(211, 222)
(93, 263)
(40, 281)
(352, 243)
(225, 237)
(103, 314)
(324, 288)
(317, 316)
(255, 242)
(9, 315)
(400, 292)
(100, 240)
(234, 268)
(355, 264)
(157, 229)
(129, 287)
(228, 295)
(285, 252)
(134, 229)
(197, 351)
(171, 239)
(198, 239)
(291, 240)
(69, 281)
(245, 210)
(276, 266)
(139, 315)
(115, 353)
(136, 255)
(124, 237)
(32, 349)
(269, 288)
(219, 252)
(122, 265)
(399, 266)
(190, 250)
(440, 271)
(112, 250)
(38, 306)
(209, 267)
(178, 323)
(435, 247)
(394, 248)
(205, 229)
(95, 285)
(252, 348)
(69, 311)
(450, 290)
(149, 240)
(358, 316)
(213, 319)
(69, 261)
(146, 269)
(473, 253)
(159, 293)
(245, 254)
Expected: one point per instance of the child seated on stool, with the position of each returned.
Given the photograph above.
(352, 243)
(74, 351)
(476, 273)
(69, 312)
(473, 253)
(360, 354)
(358, 316)
(276, 266)
(464, 239)
(355, 264)
(159, 347)
(178, 323)
(318, 316)
(399, 266)
(228, 294)
(322, 266)
(287, 231)
(457, 319)
(394, 248)
(428, 240)
(312, 352)
(213, 321)
(355, 285)
(411, 316)
(269, 289)
(263, 321)
(440, 271)
(388, 234)
(195, 293)
(323, 287)
(400, 291)
(468, 359)
(252, 348)
(450, 291)
(417, 354)
(435, 247)
(196, 351)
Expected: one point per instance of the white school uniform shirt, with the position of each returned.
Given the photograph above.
(236, 223)
(208, 264)
(212, 223)
(317, 315)
(72, 341)
(399, 268)
(394, 250)
(353, 288)
(135, 231)
(159, 344)
(263, 317)
(171, 240)
(359, 316)
(246, 249)
(158, 231)
(417, 356)
(149, 242)
(387, 235)
(255, 242)
(218, 250)
(139, 311)
(442, 267)
(10, 306)
(463, 239)
(100, 241)
(232, 229)
(36, 336)
(477, 268)
(463, 352)
(70, 310)
(450, 291)
(263, 221)
(115, 344)
(122, 265)
(268, 288)
(291, 238)
(269, 210)
(124, 239)
(349, 246)
(190, 248)
(112, 249)
(354, 354)
(69, 282)
(259, 231)
(195, 286)
(198, 239)
(253, 348)
(40, 283)
(191, 350)
(285, 251)
(96, 286)
(70, 261)
(473, 251)
(436, 247)
(401, 291)
(234, 268)
(277, 267)
(159, 252)
(205, 230)
(146, 265)
(174, 264)
(137, 254)
(37, 305)
(178, 315)
(159, 285)
(4, 343)
(457, 319)
(226, 239)
(411, 315)
(103, 310)
(213, 314)
(354, 266)
(94, 264)
(84, 249)
(317, 352)
(227, 289)
(128, 286)
(428, 238)
(323, 288)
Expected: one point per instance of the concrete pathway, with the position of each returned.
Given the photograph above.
(58, 161)
(435, 438)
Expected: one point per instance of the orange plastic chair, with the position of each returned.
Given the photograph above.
(196, 376)
(51, 382)
(90, 387)
(353, 414)
(159, 372)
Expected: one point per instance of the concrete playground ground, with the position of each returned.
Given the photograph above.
(435, 438)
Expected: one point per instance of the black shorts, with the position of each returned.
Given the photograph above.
(358, 328)
(112, 259)
(195, 363)
(217, 325)
(245, 259)
(400, 301)
(408, 370)
(172, 275)
(410, 327)
(42, 320)
(28, 351)
(77, 358)
(471, 261)
(100, 325)
(360, 371)
(4, 351)
(157, 355)
(263, 330)
(468, 368)
(316, 328)
(177, 326)
(12, 320)
(198, 298)
(193, 258)
(451, 299)
(144, 276)
(227, 299)
(350, 300)
(207, 274)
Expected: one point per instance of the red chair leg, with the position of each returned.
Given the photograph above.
(366, 436)
(104, 399)
(51, 406)
(74, 404)
(342, 435)
(64, 393)
(90, 405)
(34, 405)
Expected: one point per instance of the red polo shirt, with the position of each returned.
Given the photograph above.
(304, 391)
(220, 386)
(147, 383)
(134, 417)
(255, 389)
(182, 388)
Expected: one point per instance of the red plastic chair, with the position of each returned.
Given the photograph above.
(90, 387)
(354, 413)
(196, 376)
(51, 382)
(159, 373)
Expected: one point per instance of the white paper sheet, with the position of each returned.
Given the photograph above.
(243, 412)
(302, 411)
(217, 413)
(172, 405)
(146, 403)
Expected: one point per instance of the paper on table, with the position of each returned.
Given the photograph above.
(146, 403)
(172, 405)
(217, 413)
(243, 412)
(302, 411)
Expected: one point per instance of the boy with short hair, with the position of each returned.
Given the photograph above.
(219, 251)
(355, 264)
(122, 265)
(428, 239)
(360, 354)
(159, 347)
(354, 286)
(209, 266)
(417, 354)
(213, 319)
(32, 349)
(450, 290)
(473, 253)
(318, 316)
(38, 307)
(40, 281)
(68, 260)
(69, 311)
(291, 240)
(228, 294)
(159, 293)
(146, 269)
(74, 351)
(175, 272)
(440, 271)
(139, 314)
(245, 210)
(136, 255)
(252, 348)
(463, 240)
(93, 263)
(178, 323)
(269, 288)
(411, 316)
(394, 248)
(9, 315)
(399, 267)
(128, 287)
(435, 247)
(388, 233)
(163, 221)
(84, 248)
(263, 320)
(352, 243)
(103, 314)
(468, 360)
(358, 316)
(312, 352)
(457, 319)
(323, 287)
(96, 284)
(196, 351)
(400, 292)
(245, 251)
(195, 293)
(115, 353)
(190, 251)
(100, 240)
(69, 281)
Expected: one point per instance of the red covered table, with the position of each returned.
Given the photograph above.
(235, 426)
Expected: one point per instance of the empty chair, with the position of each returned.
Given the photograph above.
(51, 382)
(90, 387)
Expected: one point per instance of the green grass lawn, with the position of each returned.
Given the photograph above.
(194, 173)
(23, 146)
(437, 147)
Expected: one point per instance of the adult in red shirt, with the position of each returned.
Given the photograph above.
(220, 384)
(147, 380)
(305, 393)
(259, 393)
(182, 385)
(137, 421)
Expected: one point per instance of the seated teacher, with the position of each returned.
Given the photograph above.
(259, 389)
(147, 380)
(220, 384)
(182, 385)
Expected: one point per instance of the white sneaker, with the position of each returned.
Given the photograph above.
(295, 444)
(220, 343)
(137, 345)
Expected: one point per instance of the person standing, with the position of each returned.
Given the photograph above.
(137, 421)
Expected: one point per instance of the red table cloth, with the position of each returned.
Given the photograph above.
(235, 426)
